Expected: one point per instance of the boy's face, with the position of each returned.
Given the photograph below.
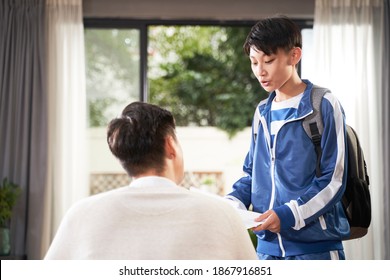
(272, 71)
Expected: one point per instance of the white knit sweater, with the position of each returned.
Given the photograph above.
(153, 218)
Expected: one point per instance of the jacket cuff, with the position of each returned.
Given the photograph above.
(286, 217)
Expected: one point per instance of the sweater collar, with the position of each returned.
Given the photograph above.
(152, 181)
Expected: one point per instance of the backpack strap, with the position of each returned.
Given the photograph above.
(313, 125)
(316, 117)
(316, 139)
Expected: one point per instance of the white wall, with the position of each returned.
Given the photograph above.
(209, 149)
(205, 149)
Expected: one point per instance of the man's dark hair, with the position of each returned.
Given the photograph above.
(270, 34)
(137, 137)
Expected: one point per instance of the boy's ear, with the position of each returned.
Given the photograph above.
(296, 55)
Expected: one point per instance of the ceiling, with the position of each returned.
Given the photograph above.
(197, 10)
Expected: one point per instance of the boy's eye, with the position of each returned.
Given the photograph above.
(269, 61)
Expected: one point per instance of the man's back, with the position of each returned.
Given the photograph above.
(152, 219)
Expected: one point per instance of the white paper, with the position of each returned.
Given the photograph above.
(248, 217)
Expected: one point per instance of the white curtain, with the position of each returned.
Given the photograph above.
(67, 180)
(347, 59)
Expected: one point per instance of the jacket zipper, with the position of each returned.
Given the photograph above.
(273, 194)
(272, 154)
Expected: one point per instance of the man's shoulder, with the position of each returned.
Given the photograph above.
(214, 206)
(97, 199)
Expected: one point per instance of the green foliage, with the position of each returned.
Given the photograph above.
(112, 49)
(9, 193)
(97, 109)
(209, 81)
(112, 60)
(253, 238)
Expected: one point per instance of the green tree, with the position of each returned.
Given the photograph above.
(204, 77)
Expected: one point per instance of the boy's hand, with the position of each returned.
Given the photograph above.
(271, 222)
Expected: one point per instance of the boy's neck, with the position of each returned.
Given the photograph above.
(290, 89)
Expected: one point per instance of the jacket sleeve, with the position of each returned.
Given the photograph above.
(243, 187)
(326, 190)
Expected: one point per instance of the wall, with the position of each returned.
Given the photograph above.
(204, 149)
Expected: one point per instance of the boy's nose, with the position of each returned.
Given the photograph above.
(259, 71)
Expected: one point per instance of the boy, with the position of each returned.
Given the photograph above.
(302, 214)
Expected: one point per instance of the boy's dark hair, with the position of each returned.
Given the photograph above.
(270, 34)
(137, 137)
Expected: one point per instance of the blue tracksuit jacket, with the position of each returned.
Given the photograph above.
(283, 178)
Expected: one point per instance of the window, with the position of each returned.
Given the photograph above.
(307, 64)
(197, 70)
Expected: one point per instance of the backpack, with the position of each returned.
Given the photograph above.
(356, 199)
